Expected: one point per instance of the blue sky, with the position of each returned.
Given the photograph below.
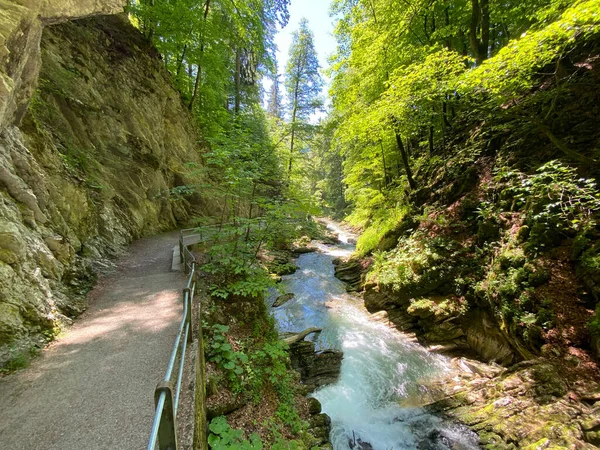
(317, 13)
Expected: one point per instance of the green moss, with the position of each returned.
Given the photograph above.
(19, 359)
(418, 266)
(594, 324)
(378, 234)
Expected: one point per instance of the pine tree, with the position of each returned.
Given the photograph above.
(303, 82)
(274, 107)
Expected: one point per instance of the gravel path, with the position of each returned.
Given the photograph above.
(93, 387)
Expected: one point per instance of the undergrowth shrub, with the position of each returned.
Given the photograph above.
(419, 265)
(556, 203)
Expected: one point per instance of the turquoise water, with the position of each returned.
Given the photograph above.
(381, 367)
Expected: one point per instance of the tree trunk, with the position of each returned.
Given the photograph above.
(180, 61)
(430, 139)
(445, 114)
(294, 112)
(447, 19)
(199, 71)
(238, 80)
(250, 211)
(385, 172)
(480, 25)
(196, 85)
(404, 157)
(485, 29)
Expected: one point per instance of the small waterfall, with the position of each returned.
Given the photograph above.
(381, 368)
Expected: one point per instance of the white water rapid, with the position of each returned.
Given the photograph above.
(381, 369)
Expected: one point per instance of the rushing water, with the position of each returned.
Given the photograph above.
(381, 368)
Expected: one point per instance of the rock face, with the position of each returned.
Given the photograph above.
(20, 34)
(319, 425)
(89, 169)
(316, 369)
(440, 321)
(531, 405)
(350, 272)
(283, 299)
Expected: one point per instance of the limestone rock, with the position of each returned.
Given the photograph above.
(12, 245)
(300, 250)
(282, 299)
(350, 272)
(91, 165)
(529, 404)
(20, 34)
(316, 369)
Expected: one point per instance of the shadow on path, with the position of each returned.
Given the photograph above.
(93, 387)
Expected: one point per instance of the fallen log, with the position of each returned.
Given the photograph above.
(289, 340)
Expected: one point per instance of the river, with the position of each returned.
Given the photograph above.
(381, 371)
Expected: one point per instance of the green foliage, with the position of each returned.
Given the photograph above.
(514, 70)
(221, 353)
(554, 200)
(261, 363)
(509, 288)
(418, 265)
(383, 221)
(403, 79)
(19, 359)
(215, 50)
(222, 436)
(303, 82)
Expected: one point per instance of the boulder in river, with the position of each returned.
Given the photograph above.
(350, 272)
(358, 443)
(316, 369)
(282, 299)
(304, 249)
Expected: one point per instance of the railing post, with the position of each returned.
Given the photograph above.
(181, 244)
(167, 431)
(188, 305)
(200, 422)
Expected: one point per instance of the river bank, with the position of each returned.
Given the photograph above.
(550, 401)
(380, 369)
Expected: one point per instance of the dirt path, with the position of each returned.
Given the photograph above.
(93, 387)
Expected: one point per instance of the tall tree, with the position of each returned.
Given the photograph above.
(274, 107)
(303, 83)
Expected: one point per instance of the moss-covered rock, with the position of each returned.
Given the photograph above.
(527, 406)
(104, 140)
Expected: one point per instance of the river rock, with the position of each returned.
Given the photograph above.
(304, 249)
(282, 299)
(331, 239)
(531, 404)
(319, 426)
(316, 369)
(314, 406)
(440, 321)
(350, 272)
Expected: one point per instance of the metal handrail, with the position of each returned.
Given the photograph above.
(166, 395)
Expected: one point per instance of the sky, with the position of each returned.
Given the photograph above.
(317, 13)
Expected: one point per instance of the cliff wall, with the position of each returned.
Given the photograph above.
(89, 167)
